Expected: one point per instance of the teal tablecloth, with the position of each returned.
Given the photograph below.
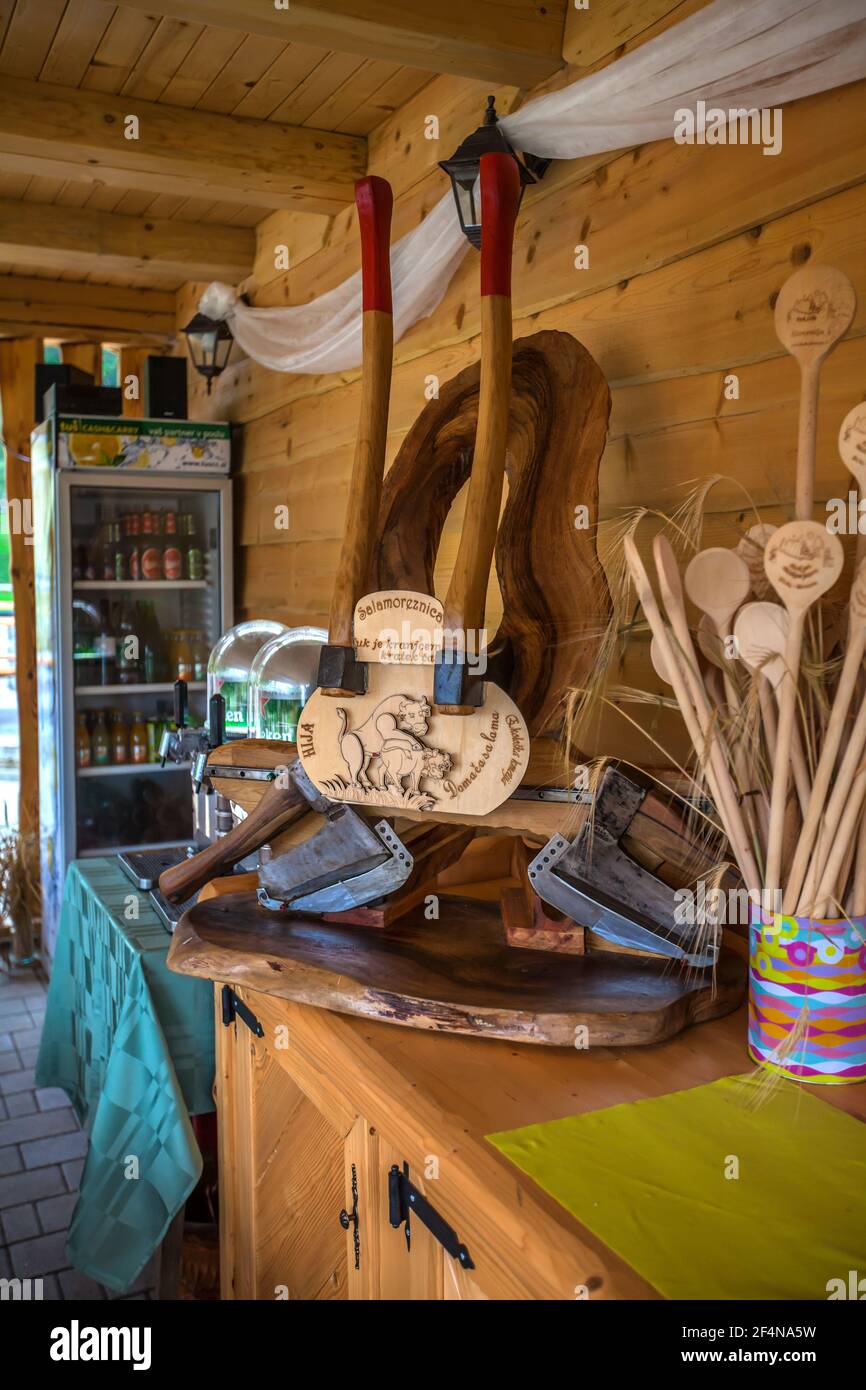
(133, 1047)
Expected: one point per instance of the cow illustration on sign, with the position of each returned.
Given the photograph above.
(390, 736)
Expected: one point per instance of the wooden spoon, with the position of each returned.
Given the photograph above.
(709, 746)
(852, 451)
(843, 783)
(761, 631)
(676, 664)
(750, 548)
(854, 652)
(814, 309)
(802, 562)
(717, 581)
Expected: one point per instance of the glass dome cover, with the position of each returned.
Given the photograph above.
(228, 668)
(282, 678)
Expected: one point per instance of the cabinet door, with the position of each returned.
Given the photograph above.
(281, 1180)
(387, 1267)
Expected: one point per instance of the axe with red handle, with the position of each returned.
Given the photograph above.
(339, 672)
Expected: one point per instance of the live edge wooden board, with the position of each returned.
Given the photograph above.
(455, 975)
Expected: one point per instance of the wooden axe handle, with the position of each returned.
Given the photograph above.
(467, 592)
(374, 201)
(280, 805)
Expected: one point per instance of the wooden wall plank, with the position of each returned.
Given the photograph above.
(79, 311)
(17, 365)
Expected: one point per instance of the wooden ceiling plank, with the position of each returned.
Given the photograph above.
(518, 42)
(165, 205)
(370, 77)
(161, 58)
(80, 32)
(244, 69)
(40, 190)
(29, 36)
(85, 241)
(122, 45)
(104, 197)
(134, 203)
(13, 185)
(73, 194)
(198, 210)
(58, 133)
(210, 53)
(282, 78)
(405, 84)
(7, 8)
(318, 87)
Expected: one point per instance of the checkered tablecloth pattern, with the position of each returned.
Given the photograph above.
(133, 1047)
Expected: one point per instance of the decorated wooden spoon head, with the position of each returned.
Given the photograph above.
(815, 308)
(802, 562)
(852, 443)
(750, 548)
(761, 631)
(717, 582)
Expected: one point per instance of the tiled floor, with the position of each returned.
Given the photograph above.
(42, 1152)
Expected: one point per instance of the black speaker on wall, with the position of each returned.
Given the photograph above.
(55, 374)
(165, 388)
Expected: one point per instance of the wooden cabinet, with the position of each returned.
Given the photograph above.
(294, 1159)
(316, 1109)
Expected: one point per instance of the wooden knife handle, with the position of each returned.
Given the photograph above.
(374, 202)
(280, 805)
(467, 592)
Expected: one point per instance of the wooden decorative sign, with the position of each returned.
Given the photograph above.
(398, 627)
(391, 749)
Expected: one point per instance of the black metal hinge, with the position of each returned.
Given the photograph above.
(352, 1219)
(236, 1008)
(404, 1199)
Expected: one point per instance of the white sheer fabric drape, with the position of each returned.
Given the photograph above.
(732, 54)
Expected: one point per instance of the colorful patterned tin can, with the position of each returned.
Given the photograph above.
(807, 997)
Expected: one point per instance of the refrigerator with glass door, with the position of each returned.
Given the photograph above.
(133, 570)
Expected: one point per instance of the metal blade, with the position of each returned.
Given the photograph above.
(555, 877)
(345, 864)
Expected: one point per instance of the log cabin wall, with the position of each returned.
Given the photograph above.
(688, 247)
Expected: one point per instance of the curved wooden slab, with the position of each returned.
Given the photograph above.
(456, 975)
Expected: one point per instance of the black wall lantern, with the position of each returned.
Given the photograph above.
(210, 342)
(464, 168)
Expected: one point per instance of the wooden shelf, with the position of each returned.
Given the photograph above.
(134, 585)
(108, 851)
(161, 688)
(118, 769)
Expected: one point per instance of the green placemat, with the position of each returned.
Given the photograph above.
(132, 1044)
(717, 1192)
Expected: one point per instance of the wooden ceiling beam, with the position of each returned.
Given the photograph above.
(65, 133)
(518, 42)
(39, 236)
(64, 310)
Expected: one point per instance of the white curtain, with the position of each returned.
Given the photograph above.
(733, 53)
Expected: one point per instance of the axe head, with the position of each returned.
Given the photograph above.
(592, 880)
(345, 864)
